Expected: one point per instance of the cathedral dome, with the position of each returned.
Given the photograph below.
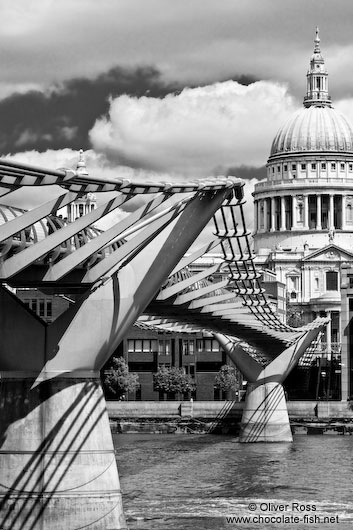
(314, 128)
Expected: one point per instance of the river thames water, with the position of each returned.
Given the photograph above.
(196, 482)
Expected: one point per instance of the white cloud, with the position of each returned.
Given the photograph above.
(199, 131)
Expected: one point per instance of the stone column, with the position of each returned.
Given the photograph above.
(283, 213)
(331, 213)
(265, 216)
(256, 217)
(328, 332)
(343, 215)
(318, 212)
(294, 212)
(273, 218)
(306, 212)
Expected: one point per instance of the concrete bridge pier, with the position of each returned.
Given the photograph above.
(57, 459)
(265, 415)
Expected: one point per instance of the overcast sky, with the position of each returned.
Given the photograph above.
(183, 88)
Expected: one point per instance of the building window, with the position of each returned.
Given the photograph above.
(313, 166)
(333, 166)
(139, 346)
(303, 166)
(207, 345)
(350, 166)
(285, 167)
(293, 286)
(342, 166)
(294, 167)
(293, 283)
(273, 169)
(145, 345)
(279, 169)
(317, 284)
(164, 347)
(331, 281)
(323, 165)
(188, 347)
(43, 307)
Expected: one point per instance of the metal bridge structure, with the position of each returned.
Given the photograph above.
(57, 460)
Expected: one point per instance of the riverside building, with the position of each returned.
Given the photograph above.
(304, 225)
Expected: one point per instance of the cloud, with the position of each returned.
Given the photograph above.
(64, 113)
(199, 131)
(248, 172)
(345, 107)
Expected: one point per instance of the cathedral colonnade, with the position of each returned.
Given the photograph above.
(308, 211)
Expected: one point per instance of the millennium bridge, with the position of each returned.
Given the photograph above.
(58, 467)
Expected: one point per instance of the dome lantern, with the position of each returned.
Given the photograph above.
(317, 79)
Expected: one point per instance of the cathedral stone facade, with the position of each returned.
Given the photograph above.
(304, 219)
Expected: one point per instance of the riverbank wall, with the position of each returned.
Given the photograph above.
(306, 417)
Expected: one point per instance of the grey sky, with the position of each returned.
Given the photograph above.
(120, 78)
(44, 41)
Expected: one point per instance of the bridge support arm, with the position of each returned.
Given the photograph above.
(265, 415)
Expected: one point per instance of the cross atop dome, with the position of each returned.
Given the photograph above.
(317, 41)
(317, 79)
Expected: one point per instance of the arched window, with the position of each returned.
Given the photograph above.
(293, 286)
(331, 281)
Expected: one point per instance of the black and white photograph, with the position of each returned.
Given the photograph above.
(176, 265)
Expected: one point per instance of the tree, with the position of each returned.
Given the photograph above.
(173, 381)
(118, 380)
(226, 379)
